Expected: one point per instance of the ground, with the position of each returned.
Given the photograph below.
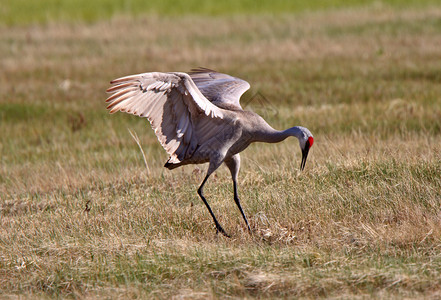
(82, 215)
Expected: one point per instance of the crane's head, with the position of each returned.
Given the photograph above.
(306, 140)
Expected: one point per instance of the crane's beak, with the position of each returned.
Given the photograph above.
(304, 155)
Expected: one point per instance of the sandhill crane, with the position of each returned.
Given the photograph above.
(197, 118)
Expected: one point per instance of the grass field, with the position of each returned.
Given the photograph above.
(81, 216)
(19, 12)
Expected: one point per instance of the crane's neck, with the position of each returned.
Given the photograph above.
(270, 135)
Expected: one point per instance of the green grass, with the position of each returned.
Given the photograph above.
(16, 12)
(81, 217)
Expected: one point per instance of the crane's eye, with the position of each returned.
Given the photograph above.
(311, 141)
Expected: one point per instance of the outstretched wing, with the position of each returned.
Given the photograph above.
(172, 103)
(221, 89)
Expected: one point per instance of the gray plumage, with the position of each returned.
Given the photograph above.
(221, 89)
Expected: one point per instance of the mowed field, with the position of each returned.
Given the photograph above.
(82, 216)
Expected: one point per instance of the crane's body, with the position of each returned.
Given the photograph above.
(235, 137)
(197, 118)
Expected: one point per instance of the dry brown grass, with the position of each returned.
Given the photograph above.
(80, 216)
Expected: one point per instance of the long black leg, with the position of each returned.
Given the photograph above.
(236, 199)
(234, 165)
(201, 194)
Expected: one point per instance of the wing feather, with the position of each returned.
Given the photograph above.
(120, 86)
(172, 103)
(119, 94)
(221, 89)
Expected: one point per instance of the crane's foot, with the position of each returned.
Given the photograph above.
(249, 230)
(221, 230)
